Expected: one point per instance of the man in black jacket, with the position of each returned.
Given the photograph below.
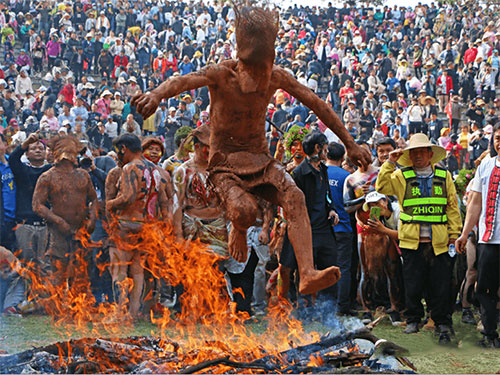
(311, 177)
(31, 234)
(77, 61)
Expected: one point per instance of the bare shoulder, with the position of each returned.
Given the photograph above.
(226, 64)
(280, 77)
(215, 71)
(115, 173)
(163, 173)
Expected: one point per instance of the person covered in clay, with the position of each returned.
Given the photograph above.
(240, 165)
(197, 210)
(138, 198)
(67, 190)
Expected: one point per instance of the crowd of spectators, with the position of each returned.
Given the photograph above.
(72, 67)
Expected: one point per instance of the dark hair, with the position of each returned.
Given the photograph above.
(131, 141)
(493, 152)
(311, 140)
(386, 141)
(335, 151)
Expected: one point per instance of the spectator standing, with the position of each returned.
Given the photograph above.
(482, 210)
(343, 230)
(427, 266)
(8, 200)
(311, 177)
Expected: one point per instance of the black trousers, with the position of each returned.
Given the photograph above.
(344, 259)
(488, 280)
(324, 255)
(415, 127)
(244, 281)
(430, 276)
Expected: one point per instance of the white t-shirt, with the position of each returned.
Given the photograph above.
(481, 185)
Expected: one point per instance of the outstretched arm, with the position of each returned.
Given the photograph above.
(148, 102)
(325, 113)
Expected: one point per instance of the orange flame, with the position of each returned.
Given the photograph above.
(207, 327)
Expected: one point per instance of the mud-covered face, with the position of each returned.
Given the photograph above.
(256, 31)
(67, 148)
(297, 151)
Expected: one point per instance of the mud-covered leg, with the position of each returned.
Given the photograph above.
(119, 262)
(137, 273)
(241, 209)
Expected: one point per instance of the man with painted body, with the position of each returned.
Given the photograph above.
(139, 199)
(239, 162)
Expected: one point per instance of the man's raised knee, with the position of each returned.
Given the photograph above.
(244, 213)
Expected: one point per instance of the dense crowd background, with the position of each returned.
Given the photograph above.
(72, 67)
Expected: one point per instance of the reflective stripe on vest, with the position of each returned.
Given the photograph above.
(409, 174)
(440, 173)
(424, 201)
(428, 209)
(422, 218)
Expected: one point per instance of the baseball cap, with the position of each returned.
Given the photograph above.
(372, 197)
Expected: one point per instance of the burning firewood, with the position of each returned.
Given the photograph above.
(331, 354)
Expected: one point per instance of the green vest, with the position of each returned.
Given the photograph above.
(425, 210)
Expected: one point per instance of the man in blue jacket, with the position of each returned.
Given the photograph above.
(343, 230)
(8, 200)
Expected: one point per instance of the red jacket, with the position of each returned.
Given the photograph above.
(470, 55)
(449, 83)
(121, 61)
(68, 92)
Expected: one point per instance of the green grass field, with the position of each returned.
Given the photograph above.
(464, 356)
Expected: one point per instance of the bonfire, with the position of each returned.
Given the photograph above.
(208, 335)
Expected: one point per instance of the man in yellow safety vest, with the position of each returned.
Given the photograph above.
(429, 222)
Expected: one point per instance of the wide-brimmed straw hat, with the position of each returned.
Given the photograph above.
(424, 100)
(420, 140)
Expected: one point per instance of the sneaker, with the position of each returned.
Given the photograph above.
(444, 338)
(490, 343)
(395, 318)
(260, 311)
(411, 328)
(468, 317)
(444, 334)
(366, 317)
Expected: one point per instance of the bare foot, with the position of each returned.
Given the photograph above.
(238, 247)
(317, 280)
